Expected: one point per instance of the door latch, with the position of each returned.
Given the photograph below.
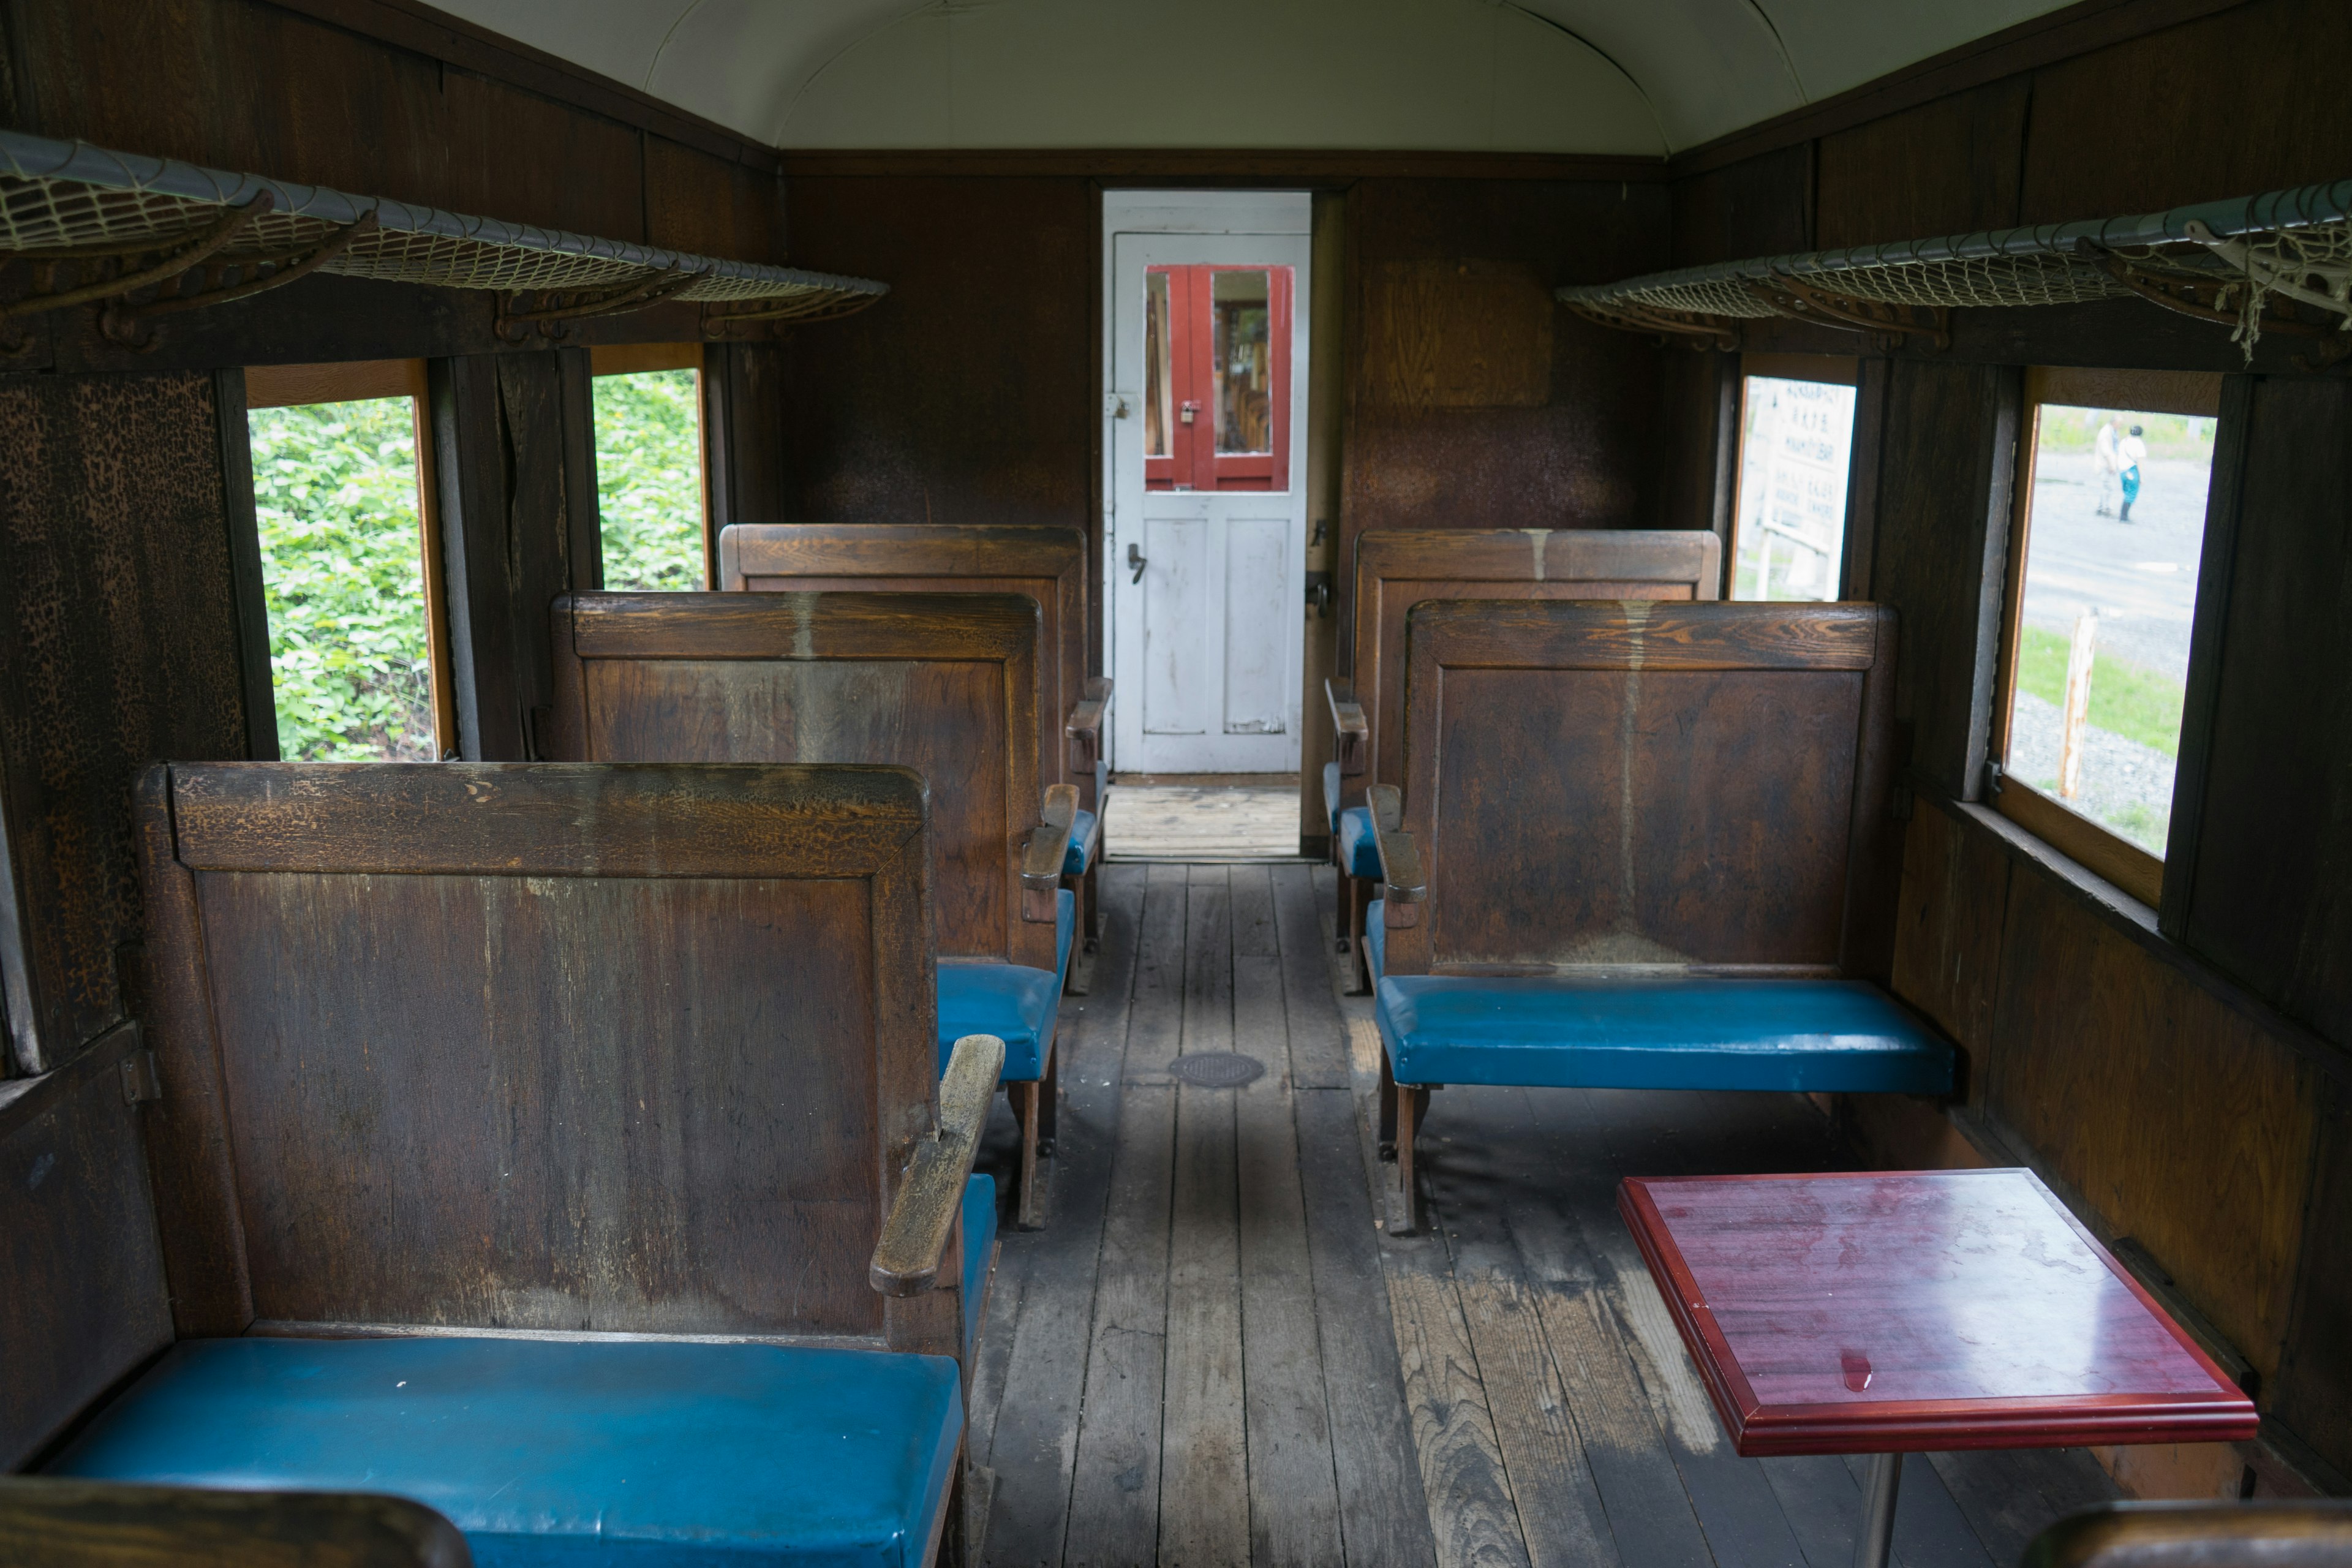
(1318, 594)
(1190, 408)
(1137, 559)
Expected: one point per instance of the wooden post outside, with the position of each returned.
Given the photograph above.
(2078, 702)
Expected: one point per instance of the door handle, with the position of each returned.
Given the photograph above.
(1137, 559)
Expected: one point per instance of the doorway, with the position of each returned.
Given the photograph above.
(1205, 445)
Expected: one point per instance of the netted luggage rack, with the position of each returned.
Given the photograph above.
(148, 237)
(2280, 262)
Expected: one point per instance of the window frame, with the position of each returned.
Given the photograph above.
(2196, 394)
(636, 359)
(1830, 370)
(355, 380)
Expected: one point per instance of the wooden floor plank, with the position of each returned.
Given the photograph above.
(1383, 1514)
(1318, 1049)
(1821, 1504)
(1471, 1515)
(1204, 1475)
(1033, 1439)
(1930, 1531)
(1294, 1512)
(1114, 1515)
(1561, 1518)
(1251, 890)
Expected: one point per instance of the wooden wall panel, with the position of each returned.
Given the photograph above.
(85, 1302)
(966, 396)
(1583, 458)
(1455, 334)
(2186, 1124)
(1947, 167)
(1763, 207)
(519, 525)
(117, 646)
(1948, 916)
(2314, 1392)
(2250, 99)
(299, 98)
(2272, 896)
(1942, 542)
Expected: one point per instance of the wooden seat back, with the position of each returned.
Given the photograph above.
(1045, 561)
(1400, 567)
(1698, 787)
(538, 1047)
(943, 683)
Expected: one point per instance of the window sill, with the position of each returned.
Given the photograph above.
(2083, 841)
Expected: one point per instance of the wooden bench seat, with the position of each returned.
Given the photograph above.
(562, 1147)
(944, 684)
(1046, 563)
(1642, 846)
(1400, 567)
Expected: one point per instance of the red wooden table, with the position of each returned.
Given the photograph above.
(1884, 1312)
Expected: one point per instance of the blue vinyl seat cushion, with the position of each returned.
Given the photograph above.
(1331, 794)
(1011, 1000)
(978, 1240)
(1376, 943)
(1080, 854)
(559, 1452)
(1573, 1032)
(1359, 856)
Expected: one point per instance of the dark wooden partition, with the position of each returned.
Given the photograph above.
(1398, 568)
(1702, 786)
(534, 1046)
(1045, 563)
(943, 683)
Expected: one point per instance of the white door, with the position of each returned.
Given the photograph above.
(1207, 585)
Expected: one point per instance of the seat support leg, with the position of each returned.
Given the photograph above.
(1412, 1104)
(1388, 1137)
(1049, 1104)
(1339, 894)
(1090, 902)
(1028, 1213)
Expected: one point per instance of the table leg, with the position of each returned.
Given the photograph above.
(1874, 1542)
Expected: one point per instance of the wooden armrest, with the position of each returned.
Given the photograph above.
(1085, 726)
(907, 1260)
(1400, 856)
(1049, 845)
(1347, 723)
(71, 1524)
(2297, 1534)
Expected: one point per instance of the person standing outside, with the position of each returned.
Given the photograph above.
(2103, 447)
(2129, 453)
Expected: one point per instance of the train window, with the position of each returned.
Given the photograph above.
(1796, 442)
(340, 488)
(650, 494)
(2109, 525)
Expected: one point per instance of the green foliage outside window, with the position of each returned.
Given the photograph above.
(649, 480)
(334, 489)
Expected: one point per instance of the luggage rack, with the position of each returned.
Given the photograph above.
(146, 237)
(2279, 262)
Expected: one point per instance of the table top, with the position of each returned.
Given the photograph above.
(1912, 1310)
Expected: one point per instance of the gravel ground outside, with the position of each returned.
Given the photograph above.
(2126, 786)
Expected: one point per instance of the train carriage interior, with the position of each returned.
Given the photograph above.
(1456, 783)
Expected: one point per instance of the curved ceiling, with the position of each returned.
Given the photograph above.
(1642, 76)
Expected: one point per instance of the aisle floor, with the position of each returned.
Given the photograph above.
(1214, 1353)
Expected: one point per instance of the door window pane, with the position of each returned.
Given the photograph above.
(2115, 526)
(1795, 445)
(649, 478)
(334, 489)
(1243, 363)
(1158, 410)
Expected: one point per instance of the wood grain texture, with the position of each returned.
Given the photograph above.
(2314, 1391)
(1048, 564)
(2211, 1183)
(1757, 206)
(515, 1086)
(1940, 557)
(1947, 167)
(1948, 932)
(1399, 568)
(913, 1247)
(88, 1303)
(120, 644)
(1587, 784)
(1471, 1515)
(1456, 334)
(2271, 902)
(96, 1524)
(1113, 1504)
(941, 683)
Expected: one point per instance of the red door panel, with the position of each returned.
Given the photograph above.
(1217, 378)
